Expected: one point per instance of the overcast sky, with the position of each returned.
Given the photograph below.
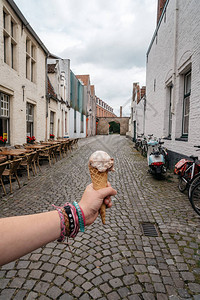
(107, 39)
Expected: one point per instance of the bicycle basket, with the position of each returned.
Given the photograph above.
(180, 167)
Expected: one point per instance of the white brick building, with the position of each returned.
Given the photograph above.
(137, 119)
(59, 97)
(173, 77)
(22, 77)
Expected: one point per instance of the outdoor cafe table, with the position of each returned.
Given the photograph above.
(36, 147)
(51, 143)
(14, 152)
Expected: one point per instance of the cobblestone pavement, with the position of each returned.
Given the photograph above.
(115, 261)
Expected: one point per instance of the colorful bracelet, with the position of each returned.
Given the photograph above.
(80, 216)
(66, 219)
(62, 223)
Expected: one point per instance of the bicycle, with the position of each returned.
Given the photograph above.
(187, 170)
(138, 142)
(195, 198)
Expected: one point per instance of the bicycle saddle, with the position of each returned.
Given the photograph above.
(194, 157)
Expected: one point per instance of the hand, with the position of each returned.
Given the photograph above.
(92, 200)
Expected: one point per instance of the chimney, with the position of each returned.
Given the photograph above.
(120, 111)
(143, 91)
(161, 4)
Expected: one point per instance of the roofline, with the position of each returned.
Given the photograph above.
(27, 25)
(158, 25)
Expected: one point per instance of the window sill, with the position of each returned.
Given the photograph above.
(182, 139)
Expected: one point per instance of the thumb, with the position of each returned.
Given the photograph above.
(108, 191)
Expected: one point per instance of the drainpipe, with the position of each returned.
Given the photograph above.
(47, 96)
(175, 58)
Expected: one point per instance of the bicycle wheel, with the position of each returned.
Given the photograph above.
(182, 184)
(195, 181)
(195, 198)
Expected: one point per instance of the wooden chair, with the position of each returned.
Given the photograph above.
(18, 146)
(54, 152)
(46, 154)
(2, 168)
(36, 161)
(60, 149)
(14, 165)
(27, 162)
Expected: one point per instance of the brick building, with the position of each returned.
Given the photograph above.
(23, 81)
(173, 77)
(103, 109)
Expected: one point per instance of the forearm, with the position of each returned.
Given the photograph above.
(23, 234)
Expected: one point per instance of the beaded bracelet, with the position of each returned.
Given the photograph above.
(80, 216)
(70, 217)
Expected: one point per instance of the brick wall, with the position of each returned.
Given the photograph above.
(174, 50)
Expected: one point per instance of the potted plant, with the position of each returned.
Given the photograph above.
(30, 139)
(52, 136)
(3, 140)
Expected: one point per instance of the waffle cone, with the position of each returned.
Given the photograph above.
(99, 180)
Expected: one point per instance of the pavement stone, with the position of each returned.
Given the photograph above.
(114, 261)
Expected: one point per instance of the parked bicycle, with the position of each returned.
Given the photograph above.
(138, 142)
(189, 178)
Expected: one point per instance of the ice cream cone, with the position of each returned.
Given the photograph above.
(99, 180)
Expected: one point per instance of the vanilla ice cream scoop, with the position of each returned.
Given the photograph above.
(101, 161)
(99, 165)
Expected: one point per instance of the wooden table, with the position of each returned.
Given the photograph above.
(36, 146)
(14, 152)
(63, 140)
(51, 143)
(3, 158)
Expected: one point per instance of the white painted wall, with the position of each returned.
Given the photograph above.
(11, 82)
(78, 133)
(173, 51)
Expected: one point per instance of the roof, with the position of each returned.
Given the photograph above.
(158, 25)
(84, 78)
(51, 91)
(51, 68)
(26, 24)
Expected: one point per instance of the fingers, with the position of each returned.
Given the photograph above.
(109, 191)
(107, 201)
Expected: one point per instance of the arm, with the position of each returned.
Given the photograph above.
(23, 234)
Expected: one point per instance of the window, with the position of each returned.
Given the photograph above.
(51, 122)
(9, 39)
(30, 60)
(29, 119)
(186, 104)
(170, 111)
(74, 121)
(82, 124)
(4, 116)
(65, 123)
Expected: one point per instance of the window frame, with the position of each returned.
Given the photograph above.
(30, 60)
(9, 39)
(5, 116)
(30, 118)
(52, 119)
(186, 97)
(170, 112)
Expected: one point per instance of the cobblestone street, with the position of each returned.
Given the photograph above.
(116, 260)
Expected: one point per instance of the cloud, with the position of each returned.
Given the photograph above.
(104, 38)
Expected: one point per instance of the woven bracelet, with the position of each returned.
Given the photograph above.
(80, 216)
(62, 223)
